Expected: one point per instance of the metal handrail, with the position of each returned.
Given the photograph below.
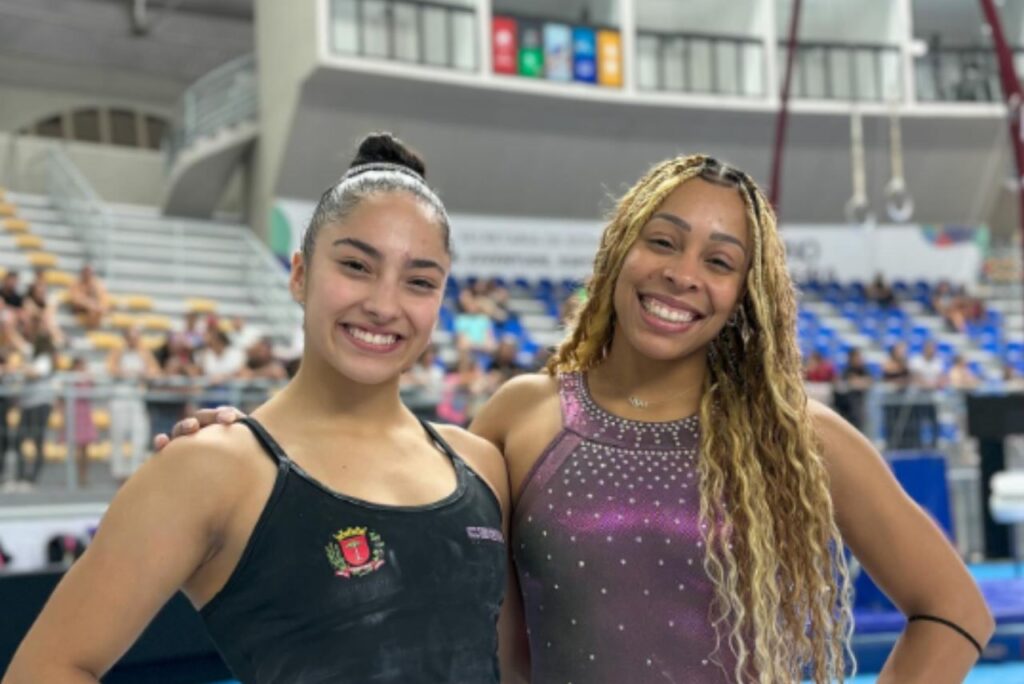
(80, 208)
(829, 52)
(224, 97)
(942, 74)
(392, 52)
(715, 75)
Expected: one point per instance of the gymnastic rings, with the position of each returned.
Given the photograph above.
(899, 205)
(857, 209)
(858, 212)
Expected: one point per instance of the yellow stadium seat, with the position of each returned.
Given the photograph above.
(202, 306)
(153, 342)
(155, 322)
(104, 340)
(56, 421)
(3, 193)
(62, 278)
(54, 452)
(101, 418)
(137, 302)
(64, 362)
(15, 225)
(99, 451)
(13, 416)
(122, 321)
(44, 259)
(7, 209)
(28, 241)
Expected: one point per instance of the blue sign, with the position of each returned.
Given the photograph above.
(584, 47)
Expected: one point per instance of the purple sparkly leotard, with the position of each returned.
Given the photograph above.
(609, 552)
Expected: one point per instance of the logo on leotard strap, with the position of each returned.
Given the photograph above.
(355, 551)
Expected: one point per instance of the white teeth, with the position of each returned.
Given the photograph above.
(665, 313)
(371, 338)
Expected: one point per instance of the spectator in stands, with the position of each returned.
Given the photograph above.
(88, 298)
(505, 364)
(219, 361)
(41, 308)
(426, 378)
(13, 349)
(194, 331)
(177, 367)
(895, 370)
(880, 293)
(466, 390)
(260, 363)
(131, 367)
(851, 395)
(245, 334)
(956, 307)
(473, 327)
(961, 376)
(819, 369)
(927, 369)
(9, 291)
(81, 413)
(175, 357)
(36, 403)
(1012, 379)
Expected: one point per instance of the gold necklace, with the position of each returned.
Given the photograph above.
(643, 404)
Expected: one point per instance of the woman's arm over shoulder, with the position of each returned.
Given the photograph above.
(906, 554)
(161, 527)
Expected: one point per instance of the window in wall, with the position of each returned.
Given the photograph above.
(122, 128)
(51, 127)
(85, 125)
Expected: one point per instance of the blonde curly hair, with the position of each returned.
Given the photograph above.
(773, 551)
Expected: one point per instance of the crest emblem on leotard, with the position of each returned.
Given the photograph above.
(355, 551)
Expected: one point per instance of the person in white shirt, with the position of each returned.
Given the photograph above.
(927, 369)
(220, 361)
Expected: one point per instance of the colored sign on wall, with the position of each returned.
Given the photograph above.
(558, 52)
(505, 45)
(584, 59)
(531, 50)
(609, 58)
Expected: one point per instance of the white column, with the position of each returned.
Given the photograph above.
(903, 34)
(483, 17)
(627, 30)
(771, 50)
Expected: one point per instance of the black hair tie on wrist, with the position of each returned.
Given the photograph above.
(952, 625)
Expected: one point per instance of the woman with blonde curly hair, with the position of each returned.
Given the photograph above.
(680, 506)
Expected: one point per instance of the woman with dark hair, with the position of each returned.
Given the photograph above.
(332, 537)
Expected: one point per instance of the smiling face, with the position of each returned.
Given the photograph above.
(373, 289)
(684, 275)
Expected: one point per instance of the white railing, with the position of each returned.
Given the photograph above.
(80, 208)
(226, 96)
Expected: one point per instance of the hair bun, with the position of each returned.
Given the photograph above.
(385, 148)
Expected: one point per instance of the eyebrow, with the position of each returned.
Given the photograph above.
(376, 254)
(683, 225)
